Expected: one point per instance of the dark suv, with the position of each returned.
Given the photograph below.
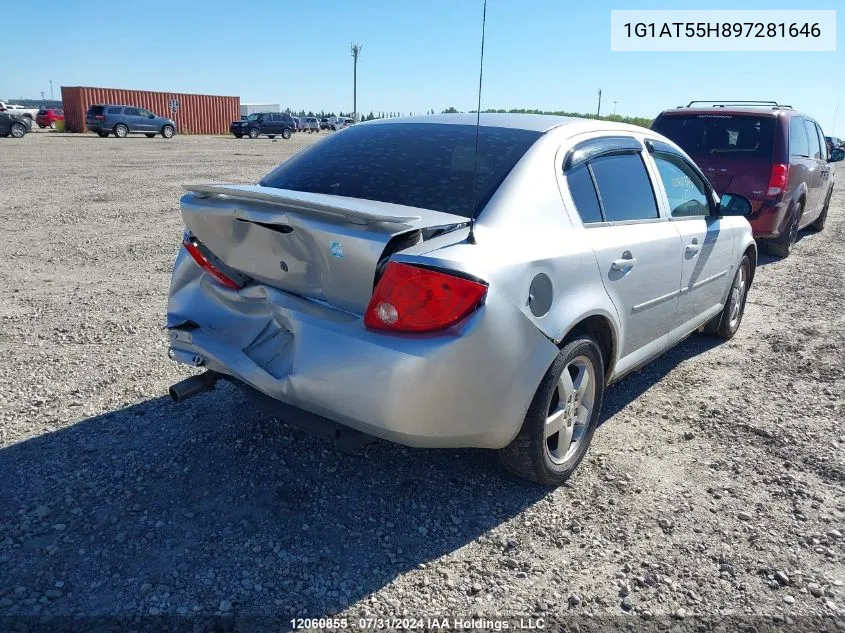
(122, 121)
(270, 124)
(772, 154)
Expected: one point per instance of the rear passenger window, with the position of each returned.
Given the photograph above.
(584, 194)
(798, 144)
(624, 188)
(815, 150)
(132, 112)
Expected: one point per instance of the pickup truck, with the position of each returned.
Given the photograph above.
(11, 108)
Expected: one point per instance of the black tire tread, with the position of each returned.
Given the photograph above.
(523, 457)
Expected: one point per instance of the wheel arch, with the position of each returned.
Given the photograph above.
(601, 326)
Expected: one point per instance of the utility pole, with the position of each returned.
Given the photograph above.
(614, 107)
(51, 90)
(598, 112)
(356, 50)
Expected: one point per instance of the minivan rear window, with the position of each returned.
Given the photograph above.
(719, 135)
(95, 109)
(425, 165)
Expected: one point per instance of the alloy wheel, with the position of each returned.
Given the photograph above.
(571, 409)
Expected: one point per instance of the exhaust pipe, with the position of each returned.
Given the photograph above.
(190, 387)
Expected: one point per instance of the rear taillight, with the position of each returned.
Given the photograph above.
(100, 117)
(412, 299)
(778, 179)
(192, 246)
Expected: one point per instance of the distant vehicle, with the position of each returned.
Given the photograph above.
(312, 124)
(770, 153)
(48, 117)
(324, 124)
(269, 124)
(12, 108)
(341, 122)
(14, 125)
(123, 120)
(834, 143)
(296, 124)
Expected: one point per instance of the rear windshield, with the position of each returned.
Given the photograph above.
(423, 165)
(719, 135)
(98, 109)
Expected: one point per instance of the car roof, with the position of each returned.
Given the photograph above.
(767, 111)
(535, 122)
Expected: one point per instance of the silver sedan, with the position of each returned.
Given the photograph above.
(436, 284)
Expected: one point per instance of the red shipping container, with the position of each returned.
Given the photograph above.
(195, 114)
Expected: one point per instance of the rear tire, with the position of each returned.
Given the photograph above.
(819, 222)
(562, 418)
(52, 125)
(726, 323)
(253, 132)
(239, 135)
(121, 131)
(286, 133)
(17, 130)
(782, 246)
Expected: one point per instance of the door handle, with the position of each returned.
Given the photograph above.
(692, 249)
(627, 261)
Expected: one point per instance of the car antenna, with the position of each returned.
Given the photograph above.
(471, 236)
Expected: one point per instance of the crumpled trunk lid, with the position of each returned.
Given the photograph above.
(327, 248)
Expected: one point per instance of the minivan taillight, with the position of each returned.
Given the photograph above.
(412, 299)
(778, 179)
(100, 117)
(193, 247)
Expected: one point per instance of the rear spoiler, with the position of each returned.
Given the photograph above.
(290, 200)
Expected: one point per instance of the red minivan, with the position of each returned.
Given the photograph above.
(772, 154)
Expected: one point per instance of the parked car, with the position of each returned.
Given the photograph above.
(834, 143)
(297, 125)
(311, 124)
(123, 120)
(14, 125)
(772, 154)
(347, 290)
(324, 124)
(341, 122)
(269, 124)
(48, 117)
(12, 108)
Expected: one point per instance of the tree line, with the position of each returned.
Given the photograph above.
(633, 120)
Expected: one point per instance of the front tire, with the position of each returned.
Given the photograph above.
(726, 323)
(103, 134)
(121, 131)
(286, 133)
(52, 125)
(253, 133)
(168, 131)
(17, 130)
(562, 418)
(819, 222)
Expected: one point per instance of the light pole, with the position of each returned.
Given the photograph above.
(598, 111)
(614, 107)
(356, 50)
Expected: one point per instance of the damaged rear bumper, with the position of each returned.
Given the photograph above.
(466, 388)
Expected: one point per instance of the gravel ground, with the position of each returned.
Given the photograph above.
(714, 486)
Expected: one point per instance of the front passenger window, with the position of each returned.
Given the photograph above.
(688, 196)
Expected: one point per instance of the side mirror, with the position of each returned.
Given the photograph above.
(734, 204)
(836, 155)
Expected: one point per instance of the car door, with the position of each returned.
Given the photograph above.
(636, 248)
(132, 118)
(802, 167)
(706, 241)
(146, 121)
(827, 175)
(817, 179)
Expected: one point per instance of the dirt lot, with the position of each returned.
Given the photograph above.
(715, 486)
